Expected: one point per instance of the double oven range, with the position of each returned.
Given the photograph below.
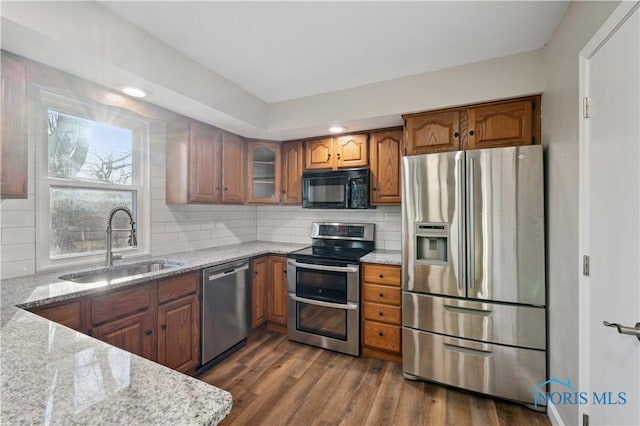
(323, 282)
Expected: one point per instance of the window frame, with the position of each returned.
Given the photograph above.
(73, 105)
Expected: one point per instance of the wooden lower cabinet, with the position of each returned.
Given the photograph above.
(277, 291)
(134, 333)
(158, 320)
(179, 334)
(67, 313)
(381, 312)
(269, 292)
(259, 270)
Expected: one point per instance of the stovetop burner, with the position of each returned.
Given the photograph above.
(338, 241)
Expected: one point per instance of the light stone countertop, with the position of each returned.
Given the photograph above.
(385, 257)
(54, 375)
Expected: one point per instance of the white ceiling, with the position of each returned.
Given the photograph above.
(286, 50)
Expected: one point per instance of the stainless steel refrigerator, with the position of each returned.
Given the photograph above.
(473, 277)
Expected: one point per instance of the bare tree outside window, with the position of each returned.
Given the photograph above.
(89, 151)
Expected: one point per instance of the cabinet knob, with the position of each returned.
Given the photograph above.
(217, 188)
(163, 326)
(284, 192)
(381, 314)
(471, 132)
(338, 155)
(148, 332)
(328, 157)
(226, 189)
(284, 271)
(380, 334)
(256, 272)
(381, 295)
(381, 276)
(456, 134)
(375, 189)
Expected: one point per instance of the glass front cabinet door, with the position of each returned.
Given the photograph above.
(264, 172)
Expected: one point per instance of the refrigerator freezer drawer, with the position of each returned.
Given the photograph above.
(497, 370)
(522, 326)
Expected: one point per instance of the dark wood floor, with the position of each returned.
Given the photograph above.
(277, 382)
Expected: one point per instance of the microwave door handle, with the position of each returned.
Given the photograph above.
(347, 193)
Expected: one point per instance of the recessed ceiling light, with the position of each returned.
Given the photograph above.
(337, 129)
(134, 91)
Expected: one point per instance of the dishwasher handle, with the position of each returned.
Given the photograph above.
(214, 277)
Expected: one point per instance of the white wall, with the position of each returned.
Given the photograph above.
(560, 109)
(293, 224)
(384, 102)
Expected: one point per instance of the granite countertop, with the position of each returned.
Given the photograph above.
(385, 257)
(52, 374)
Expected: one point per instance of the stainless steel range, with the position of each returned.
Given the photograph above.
(323, 305)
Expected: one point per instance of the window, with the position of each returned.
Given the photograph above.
(91, 159)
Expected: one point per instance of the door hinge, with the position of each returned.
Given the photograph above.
(585, 265)
(585, 107)
(585, 420)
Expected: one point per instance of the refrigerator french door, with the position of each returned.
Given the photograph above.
(473, 270)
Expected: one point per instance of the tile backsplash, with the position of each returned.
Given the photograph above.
(293, 224)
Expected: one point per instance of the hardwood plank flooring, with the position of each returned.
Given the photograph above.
(277, 382)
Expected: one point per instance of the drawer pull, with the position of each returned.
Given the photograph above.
(381, 295)
(380, 334)
(381, 313)
(148, 332)
(469, 311)
(462, 349)
(381, 276)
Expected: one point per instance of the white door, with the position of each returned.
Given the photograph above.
(610, 220)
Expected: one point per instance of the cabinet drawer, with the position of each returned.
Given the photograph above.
(67, 314)
(175, 288)
(381, 294)
(476, 366)
(489, 322)
(381, 274)
(382, 336)
(119, 303)
(382, 313)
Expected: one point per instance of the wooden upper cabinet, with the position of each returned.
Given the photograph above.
(491, 125)
(351, 151)
(233, 169)
(432, 132)
(204, 161)
(336, 153)
(193, 163)
(264, 171)
(320, 154)
(13, 167)
(501, 124)
(385, 167)
(292, 168)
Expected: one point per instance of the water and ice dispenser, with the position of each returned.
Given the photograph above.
(432, 242)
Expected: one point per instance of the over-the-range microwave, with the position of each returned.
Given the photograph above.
(338, 189)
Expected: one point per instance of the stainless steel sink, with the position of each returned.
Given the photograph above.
(117, 274)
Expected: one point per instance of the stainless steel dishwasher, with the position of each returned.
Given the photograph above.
(224, 308)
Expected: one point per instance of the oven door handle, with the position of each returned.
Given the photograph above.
(347, 306)
(323, 267)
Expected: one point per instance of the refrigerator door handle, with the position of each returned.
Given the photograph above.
(460, 218)
(469, 311)
(472, 224)
(469, 351)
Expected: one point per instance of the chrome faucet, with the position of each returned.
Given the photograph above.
(132, 237)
